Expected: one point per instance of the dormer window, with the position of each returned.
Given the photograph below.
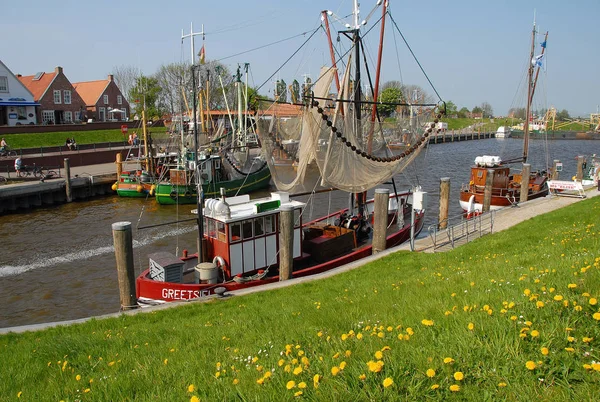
(57, 97)
(105, 97)
(119, 100)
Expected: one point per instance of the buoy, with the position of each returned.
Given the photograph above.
(114, 187)
(139, 188)
(152, 189)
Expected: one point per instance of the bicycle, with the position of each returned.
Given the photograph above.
(8, 152)
(34, 171)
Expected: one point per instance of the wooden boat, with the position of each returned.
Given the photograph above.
(506, 185)
(243, 246)
(134, 183)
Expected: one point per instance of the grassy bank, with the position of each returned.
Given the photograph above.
(512, 316)
(58, 138)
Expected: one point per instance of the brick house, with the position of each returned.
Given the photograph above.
(17, 106)
(59, 103)
(103, 100)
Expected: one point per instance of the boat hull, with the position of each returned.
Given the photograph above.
(170, 194)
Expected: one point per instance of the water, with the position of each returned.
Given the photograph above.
(58, 263)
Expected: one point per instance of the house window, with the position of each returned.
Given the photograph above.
(48, 116)
(57, 96)
(3, 84)
(124, 114)
(105, 98)
(22, 113)
(67, 97)
(119, 100)
(68, 117)
(101, 114)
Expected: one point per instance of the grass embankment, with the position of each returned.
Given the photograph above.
(512, 316)
(58, 138)
(485, 125)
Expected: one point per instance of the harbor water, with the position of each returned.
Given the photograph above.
(58, 263)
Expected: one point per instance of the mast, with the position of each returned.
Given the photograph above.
(191, 36)
(537, 72)
(529, 97)
(199, 193)
(324, 13)
(360, 198)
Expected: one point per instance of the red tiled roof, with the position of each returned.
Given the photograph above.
(90, 91)
(37, 87)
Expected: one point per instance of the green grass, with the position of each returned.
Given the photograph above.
(530, 287)
(58, 138)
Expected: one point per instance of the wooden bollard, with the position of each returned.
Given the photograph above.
(286, 242)
(444, 202)
(555, 172)
(525, 182)
(68, 189)
(382, 198)
(580, 160)
(119, 163)
(487, 192)
(123, 243)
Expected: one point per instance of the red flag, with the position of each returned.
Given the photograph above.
(201, 54)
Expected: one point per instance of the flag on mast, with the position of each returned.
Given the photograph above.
(202, 55)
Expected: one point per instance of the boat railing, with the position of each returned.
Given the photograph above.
(460, 230)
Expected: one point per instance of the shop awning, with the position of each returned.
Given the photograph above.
(19, 103)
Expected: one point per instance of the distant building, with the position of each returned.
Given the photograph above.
(103, 100)
(17, 105)
(471, 115)
(59, 103)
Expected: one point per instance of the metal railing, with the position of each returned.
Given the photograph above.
(462, 231)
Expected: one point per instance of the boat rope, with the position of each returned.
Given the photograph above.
(415, 57)
(246, 178)
(264, 46)
(234, 166)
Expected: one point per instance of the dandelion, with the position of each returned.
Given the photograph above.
(502, 384)
(166, 361)
(539, 304)
(430, 373)
(513, 318)
(302, 385)
(570, 350)
(298, 393)
(572, 285)
(320, 334)
(558, 297)
(348, 353)
(19, 394)
(236, 381)
(260, 381)
(191, 388)
(280, 362)
(535, 333)
(455, 388)
(435, 386)
(375, 367)
(545, 351)
(217, 374)
(362, 377)
(316, 380)
(290, 384)
(459, 376)
(388, 382)
(342, 365)
(77, 377)
(359, 336)
(527, 292)
(194, 399)
(448, 360)
(297, 370)
(344, 337)
(427, 323)
(593, 301)
(378, 355)
(410, 331)
(530, 365)
(586, 339)
(471, 326)
(335, 370)
(596, 316)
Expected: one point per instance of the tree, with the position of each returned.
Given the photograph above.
(462, 113)
(146, 91)
(487, 110)
(563, 115)
(125, 78)
(517, 112)
(451, 109)
(389, 95)
(477, 110)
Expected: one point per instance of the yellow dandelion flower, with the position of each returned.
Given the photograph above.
(427, 323)
(267, 374)
(535, 333)
(298, 393)
(578, 308)
(448, 360)
(530, 365)
(236, 381)
(110, 364)
(19, 394)
(335, 370)
(290, 384)
(166, 361)
(335, 356)
(218, 374)
(585, 294)
(259, 368)
(362, 377)
(570, 338)
(388, 382)
(586, 339)
(280, 362)
(344, 337)
(342, 365)
(430, 373)
(302, 385)
(348, 353)
(77, 377)
(383, 349)
(545, 351)
(381, 335)
(539, 304)
(316, 380)
(570, 350)
(85, 391)
(359, 336)
(410, 331)
(297, 370)
(375, 367)
(459, 376)
(435, 386)
(287, 368)
(502, 384)
(593, 301)
(527, 292)
(596, 366)
(191, 388)
(254, 359)
(194, 399)
(260, 381)
(558, 298)
(454, 387)
(320, 334)
(378, 355)
(471, 326)
(572, 285)
(587, 366)
(513, 318)
(596, 316)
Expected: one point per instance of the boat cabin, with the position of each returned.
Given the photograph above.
(245, 234)
(479, 173)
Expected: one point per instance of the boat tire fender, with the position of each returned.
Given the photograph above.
(173, 194)
(222, 265)
(188, 193)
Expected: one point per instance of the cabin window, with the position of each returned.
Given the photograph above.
(221, 231)
(247, 229)
(258, 226)
(212, 231)
(235, 232)
(480, 174)
(270, 224)
(297, 213)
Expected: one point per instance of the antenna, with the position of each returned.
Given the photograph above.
(191, 36)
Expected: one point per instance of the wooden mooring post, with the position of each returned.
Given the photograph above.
(525, 182)
(487, 192)
(119, 163)
(555, 172)
(286, 242)
(444, 202)
(382, 198)
(68, 190)
(123, 242)
(580, 160)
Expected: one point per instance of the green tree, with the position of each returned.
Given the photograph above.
(451, 109)
(476, 110)
(462, 113)
(563, 115)
(389, 95)
(487, 110)
(146, 91)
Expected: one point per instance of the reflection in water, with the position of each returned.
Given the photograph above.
(58, 263)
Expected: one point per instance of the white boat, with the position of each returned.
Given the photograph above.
(503, 132)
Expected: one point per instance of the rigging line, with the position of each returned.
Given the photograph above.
(263, 46)
(415, 57)
(397, 56)
(289, 58)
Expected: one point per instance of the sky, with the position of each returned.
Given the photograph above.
(472, 51)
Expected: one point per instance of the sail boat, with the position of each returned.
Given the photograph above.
(506, 185)
(242, 235)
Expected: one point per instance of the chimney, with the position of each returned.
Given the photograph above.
(19, 75)
(110, 77)
(58, 70)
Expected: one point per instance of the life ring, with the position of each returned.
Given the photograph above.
(188, 193)
(222, 265)
(173, 194)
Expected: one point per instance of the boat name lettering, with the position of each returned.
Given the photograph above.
(182, 294)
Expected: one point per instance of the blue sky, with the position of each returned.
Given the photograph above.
(473, 51)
